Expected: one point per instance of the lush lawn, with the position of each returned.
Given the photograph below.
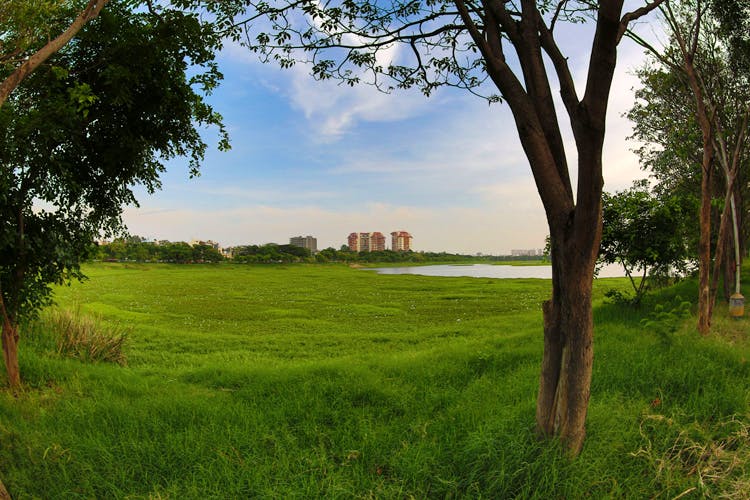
(325, 381)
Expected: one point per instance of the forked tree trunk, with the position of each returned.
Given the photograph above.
(565, 381)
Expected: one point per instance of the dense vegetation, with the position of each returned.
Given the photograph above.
(304, 381)
(137, 249)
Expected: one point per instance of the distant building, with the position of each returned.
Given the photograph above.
(377, 242)
(305, 242)
(364, 242)
(400, 241)
(209, 243)
(531, 252)
(352, 241)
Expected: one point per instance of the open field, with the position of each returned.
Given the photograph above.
(308, 381)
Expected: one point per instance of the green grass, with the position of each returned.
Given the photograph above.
(325, 381)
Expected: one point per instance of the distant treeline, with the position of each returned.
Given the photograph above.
(135, 249)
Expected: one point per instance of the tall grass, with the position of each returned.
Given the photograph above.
(84, 337)
(328, 382)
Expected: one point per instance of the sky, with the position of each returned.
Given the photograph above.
(322, 159)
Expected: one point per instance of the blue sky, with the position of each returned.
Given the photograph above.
(326, 160)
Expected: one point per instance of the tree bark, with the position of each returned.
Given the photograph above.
(564, 386)
(4, 495)
(704, 247)
(575, 220)
(10, 352)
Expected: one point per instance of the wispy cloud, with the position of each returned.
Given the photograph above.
(449, 169)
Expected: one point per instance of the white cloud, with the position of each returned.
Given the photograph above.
(461, 158)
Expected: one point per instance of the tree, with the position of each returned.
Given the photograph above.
(644, 234)
(102, 116)
(705, 52)
(464, 44)
(24, 26)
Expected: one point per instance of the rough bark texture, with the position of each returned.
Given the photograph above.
(4, 495)
(10, 353)
(564, 386)
(91, 10)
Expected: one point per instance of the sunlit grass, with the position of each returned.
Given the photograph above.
(325, 381)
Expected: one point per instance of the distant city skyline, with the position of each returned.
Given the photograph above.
(316, 158)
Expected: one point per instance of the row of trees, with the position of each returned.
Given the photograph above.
(136, 249)
(691, 119)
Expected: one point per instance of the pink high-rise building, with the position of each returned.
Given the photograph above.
(400, 241)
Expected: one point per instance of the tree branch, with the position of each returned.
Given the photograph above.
(634, 15)
(35, 60)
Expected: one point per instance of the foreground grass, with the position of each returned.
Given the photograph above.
(324, 381)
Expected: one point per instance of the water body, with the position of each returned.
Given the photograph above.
(490, 271)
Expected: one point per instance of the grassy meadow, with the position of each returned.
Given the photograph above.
(309, 381)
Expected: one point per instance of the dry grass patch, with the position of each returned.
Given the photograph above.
(718, 460)
(86, 338)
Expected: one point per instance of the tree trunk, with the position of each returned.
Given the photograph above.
(565, 381)
(729, 271)
(10, 353)
(4, 495)
(704, 253)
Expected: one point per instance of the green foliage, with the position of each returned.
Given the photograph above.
(645, 234)
(83, 337)
(664, 322)
(26, 25)
(307, 381)
(664, 115)
(133, 249)
(102, 116)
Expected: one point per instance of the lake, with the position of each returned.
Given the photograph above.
(489, 271)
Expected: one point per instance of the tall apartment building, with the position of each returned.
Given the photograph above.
(366, 242)
(352, 241)
(305, 242)
(400, 241)
(377, 242)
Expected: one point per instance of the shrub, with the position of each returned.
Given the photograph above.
(665, 322)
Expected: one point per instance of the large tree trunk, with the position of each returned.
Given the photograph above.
(565, 381)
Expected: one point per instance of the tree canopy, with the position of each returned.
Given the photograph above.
(693, 121)
(102, 116)
(31, 32)
(645, 234)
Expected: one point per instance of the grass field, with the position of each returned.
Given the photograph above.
(325, 381)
